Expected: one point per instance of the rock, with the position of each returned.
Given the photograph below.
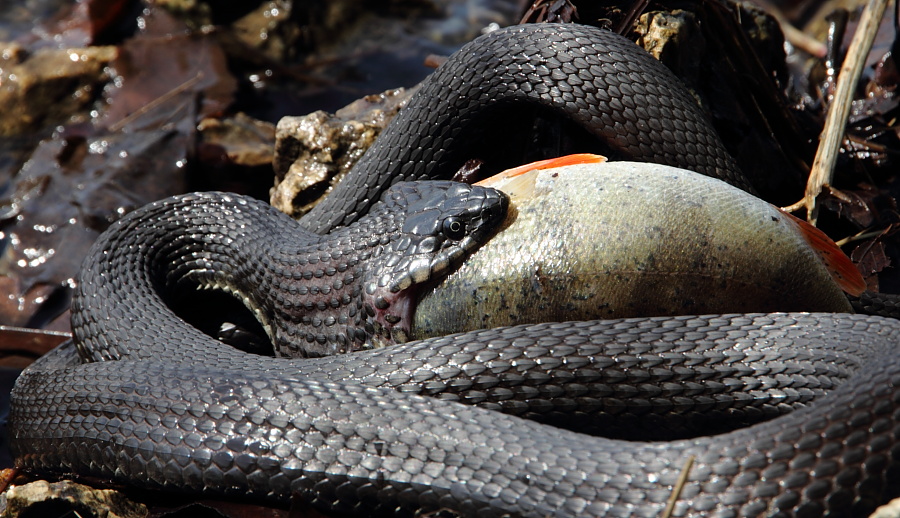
(235, 154)
(49, 86)
(313, 151)
(888, 510)
(243, 140)
(43, 498)
(271, 29)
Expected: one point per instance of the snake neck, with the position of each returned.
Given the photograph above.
(308, 291)
(314, 295)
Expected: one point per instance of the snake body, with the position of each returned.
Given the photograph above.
(632, 104)
(355, 433)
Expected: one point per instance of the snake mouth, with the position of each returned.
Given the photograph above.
(437, 240)
(391, 314)
(391, 307)
(390, 303)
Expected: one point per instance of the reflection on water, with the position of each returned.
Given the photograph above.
(17, 17)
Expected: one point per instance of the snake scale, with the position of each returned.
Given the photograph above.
(383, 431)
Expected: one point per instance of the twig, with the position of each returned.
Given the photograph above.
(836, 121)
(679, 485)
(793, 35)
(634, 12)
(800, 39)
(862, 234)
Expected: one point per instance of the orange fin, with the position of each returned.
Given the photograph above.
(550, 163)
(841, 268)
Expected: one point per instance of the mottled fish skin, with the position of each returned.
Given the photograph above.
(624, 239)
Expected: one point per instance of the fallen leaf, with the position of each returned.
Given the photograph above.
(168, 80)
(870, 259)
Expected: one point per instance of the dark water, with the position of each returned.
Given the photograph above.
(7, 378)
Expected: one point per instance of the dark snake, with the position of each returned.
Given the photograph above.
(355, 434)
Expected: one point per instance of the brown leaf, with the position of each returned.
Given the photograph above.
(78, 26)
(62, 199)
(870, 259)
(168, 80)
(857, 206)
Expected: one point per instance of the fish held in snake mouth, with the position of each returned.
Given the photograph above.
(622, 239)
(520, 182)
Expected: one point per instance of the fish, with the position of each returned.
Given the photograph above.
(604, 240)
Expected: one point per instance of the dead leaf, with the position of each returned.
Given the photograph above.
(168, 80)
(20, 346)
(870, 258)
(856, 206)
(79, 25)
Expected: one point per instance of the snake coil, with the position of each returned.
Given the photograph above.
(356, 433)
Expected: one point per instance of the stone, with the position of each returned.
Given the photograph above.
(42, 498)
(312, 152)
(49, 86)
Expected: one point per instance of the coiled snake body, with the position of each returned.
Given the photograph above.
(352, 433)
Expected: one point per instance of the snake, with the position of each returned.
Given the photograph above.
(142, 398)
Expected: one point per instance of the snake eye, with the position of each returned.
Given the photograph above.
(453, 228)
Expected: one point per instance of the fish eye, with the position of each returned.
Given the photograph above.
(453, 228)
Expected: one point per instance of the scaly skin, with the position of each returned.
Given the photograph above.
(337, 433)
(634, 105)
(179, 411)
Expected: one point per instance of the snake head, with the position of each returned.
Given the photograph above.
(438, 224)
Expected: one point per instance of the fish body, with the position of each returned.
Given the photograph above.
(622, 239)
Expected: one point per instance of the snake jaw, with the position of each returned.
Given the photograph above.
(391, 299)
(442, 224)
(392, 313)
(392, 302)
